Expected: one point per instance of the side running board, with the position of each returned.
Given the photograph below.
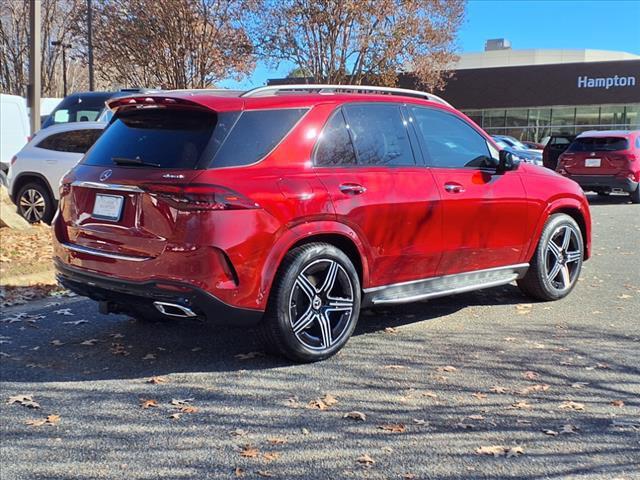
(442, 286)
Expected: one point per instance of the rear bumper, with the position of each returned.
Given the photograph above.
(125, 293)
(604, 182)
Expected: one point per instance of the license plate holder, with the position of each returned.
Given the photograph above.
(107, 207)
(592, 162)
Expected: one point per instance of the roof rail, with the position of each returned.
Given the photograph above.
(320, 88)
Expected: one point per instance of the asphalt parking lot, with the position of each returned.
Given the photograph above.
(481, 385)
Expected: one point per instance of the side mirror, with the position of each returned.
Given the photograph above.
(507, 162)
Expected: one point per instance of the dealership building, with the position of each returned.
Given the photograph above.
(531, 94)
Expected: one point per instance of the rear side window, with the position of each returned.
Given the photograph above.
(77, 141)
(166, 138)
(560, 141)
(379, 134)
(77, 109)
(254, 135)
(601, 144)
(450, 141)
(334, 147)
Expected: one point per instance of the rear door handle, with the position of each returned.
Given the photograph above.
(352, 188)
(452, 187)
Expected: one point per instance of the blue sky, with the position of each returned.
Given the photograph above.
(596, 24)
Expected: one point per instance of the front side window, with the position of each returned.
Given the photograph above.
(334, 147)
(77, 141)
(449, 141)
(379, 134)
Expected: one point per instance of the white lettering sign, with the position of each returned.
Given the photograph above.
(606, 82)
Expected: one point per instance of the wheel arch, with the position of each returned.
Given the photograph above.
(337, 234)
(27, 177)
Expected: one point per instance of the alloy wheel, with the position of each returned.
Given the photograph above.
(563, 256)
(321, 304)
(32, 205)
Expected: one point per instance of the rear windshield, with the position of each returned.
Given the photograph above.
(602, 144)
(77, 108)
(187, 139)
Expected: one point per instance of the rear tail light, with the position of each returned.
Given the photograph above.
(199, 197)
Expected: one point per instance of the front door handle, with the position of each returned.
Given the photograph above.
(452, 187)
(352, 188)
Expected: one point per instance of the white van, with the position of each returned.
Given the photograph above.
(14, 129)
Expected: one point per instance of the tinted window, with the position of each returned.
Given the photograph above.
(168, 138)
(76, 108)
(605, 144)
(560, 141)
(254, 135)
(449, 141)
(78, 141)
(379, 134)
(334, 145)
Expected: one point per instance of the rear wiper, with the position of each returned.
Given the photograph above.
(133, 161)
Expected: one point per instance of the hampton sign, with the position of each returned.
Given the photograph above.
(606, 82)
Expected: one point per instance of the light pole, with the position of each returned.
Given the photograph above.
(33, 91)
(64, 46)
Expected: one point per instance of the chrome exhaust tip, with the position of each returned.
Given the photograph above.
(174, 310)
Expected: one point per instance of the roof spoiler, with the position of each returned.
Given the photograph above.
(151, 101)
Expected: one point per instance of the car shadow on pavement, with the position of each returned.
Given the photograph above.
(87, 346)
(613, 199)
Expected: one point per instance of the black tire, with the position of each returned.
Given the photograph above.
(35, 203)
(539, 281)
(635, 195)
(338, 307)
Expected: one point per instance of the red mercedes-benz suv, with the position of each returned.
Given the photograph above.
(293, 207)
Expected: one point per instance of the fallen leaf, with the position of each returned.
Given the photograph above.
(238, 432)
(56, 343)
(277, 440)
(393, 427)
(551, 433)
(75, 322)
(24, 400)
(157, 380)
(355, 415)
(617, 403)
(420, 421)
(180, 402)
(499, 450)
(624, 296)
(429, 394)
(579, 385)
(529, 375)
(497, 389)
(571, 405)
(521, 406)
(322, 403)
(305, 431)
(391, 330)
(568, 429)
(64, 311)
(49, 420)
(175, 416)
(270, 456)
(465, 426)
(249, 451)
(149, 356)
(265, 473)
(365, 460)
(189, 409)
(408, 476)
(148, 403)
(515, 451)
(238, 472)
(533, 388)
(91, 342)
(395, 367)
(479, 395)
(447, 368)
(524, 308)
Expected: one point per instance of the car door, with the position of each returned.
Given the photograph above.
(484, 212)
(60, 152)
(365, 159)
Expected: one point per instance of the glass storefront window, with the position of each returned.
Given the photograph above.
(611, 115)
(587, 116)
(494, 118)
(539, 120)
(632, 116)
(475, 115)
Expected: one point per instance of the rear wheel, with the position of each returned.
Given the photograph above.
(556, 264)
(635, 195)
(314, 304)
(35, 204)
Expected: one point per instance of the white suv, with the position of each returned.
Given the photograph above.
(36, 170)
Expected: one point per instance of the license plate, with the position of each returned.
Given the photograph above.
(592, 162)
(108, 207)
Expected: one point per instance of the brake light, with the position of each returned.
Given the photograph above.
(199, 197)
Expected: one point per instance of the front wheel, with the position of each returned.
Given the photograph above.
(314, 304)
(35, 203)
(556, 264)
(635, 195)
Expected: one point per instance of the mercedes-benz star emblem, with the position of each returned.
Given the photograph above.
(105, 175)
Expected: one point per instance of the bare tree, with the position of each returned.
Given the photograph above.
(57, 22)
(171, 43)
(358, 41)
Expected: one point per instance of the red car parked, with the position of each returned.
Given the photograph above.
(604, 162)
(293, 207)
